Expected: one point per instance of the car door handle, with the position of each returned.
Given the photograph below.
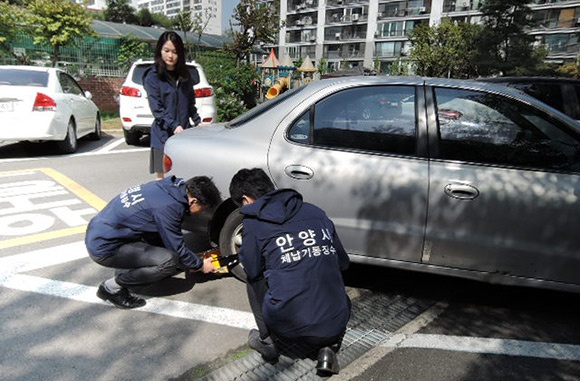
(299, 172)
(461, 191)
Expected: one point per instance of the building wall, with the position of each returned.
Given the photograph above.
(170, 8)
(105, 92)
(358, 32)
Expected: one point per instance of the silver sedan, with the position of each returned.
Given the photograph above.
(450, 177)
(45, 104)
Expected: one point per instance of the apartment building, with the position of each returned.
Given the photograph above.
(170, 8)
(362, 32)
(201, 8)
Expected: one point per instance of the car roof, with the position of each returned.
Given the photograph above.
(30, 68)
(416, 81)
(531, 79)
(151, 62)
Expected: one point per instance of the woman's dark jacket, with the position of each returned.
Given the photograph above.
(172, 103)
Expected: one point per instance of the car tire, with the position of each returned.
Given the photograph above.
(132, 138)
(96, 135)
(231, 240)
(70, 142)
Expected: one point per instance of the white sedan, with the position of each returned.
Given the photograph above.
(45, 104)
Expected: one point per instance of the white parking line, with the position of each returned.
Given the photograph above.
(484, 345)
(105, 150)
(11, 276)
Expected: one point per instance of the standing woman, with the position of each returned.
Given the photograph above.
(169, 87)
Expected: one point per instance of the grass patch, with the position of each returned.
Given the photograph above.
(111, 123)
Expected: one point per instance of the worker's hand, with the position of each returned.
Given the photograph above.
(208, 267)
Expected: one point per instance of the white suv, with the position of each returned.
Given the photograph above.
(136, 116)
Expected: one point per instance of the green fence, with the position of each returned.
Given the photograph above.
(91, 56)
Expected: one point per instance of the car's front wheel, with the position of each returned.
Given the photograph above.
(231, 240)
(70, 143)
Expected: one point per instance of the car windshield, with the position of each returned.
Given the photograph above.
(140, 70)
(17, 77)
(264, 107)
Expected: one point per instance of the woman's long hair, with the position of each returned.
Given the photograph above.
(180, 68)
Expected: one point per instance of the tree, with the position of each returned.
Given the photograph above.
(130, 50)
(161, 20)
(120, 11)
(184, 22)
(446, 50)
(12, 19)
(571, 69)
(144, 17)
(201, 22)
(58, 23)
(255, 22)
(503, 46)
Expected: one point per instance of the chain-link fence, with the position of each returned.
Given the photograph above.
(91, 56)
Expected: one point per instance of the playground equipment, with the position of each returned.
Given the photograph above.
(279, 86)
(277, 76)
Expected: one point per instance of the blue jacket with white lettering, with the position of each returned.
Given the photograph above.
(157, 207)
(294, 246)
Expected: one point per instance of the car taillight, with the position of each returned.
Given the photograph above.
(203, 92)
(130, 91)
(43, 103)
(167, 163)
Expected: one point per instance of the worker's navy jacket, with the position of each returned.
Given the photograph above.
(172, 103)
(294, 246)
(139, 212)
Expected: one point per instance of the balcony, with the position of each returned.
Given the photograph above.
(348, 51)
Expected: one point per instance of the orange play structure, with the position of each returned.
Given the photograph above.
(279, 86)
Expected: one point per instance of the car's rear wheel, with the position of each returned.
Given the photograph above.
(231, 240)
(96, 135)
(132, 138)
(70, 143)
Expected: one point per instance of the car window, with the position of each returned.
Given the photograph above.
(263, 107)
(373, 118)
(492, 129)
(16, 77)
(549, 93)
(139, 70)
(69, 85)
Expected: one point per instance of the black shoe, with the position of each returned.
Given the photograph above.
(122, 299)
(327, 362)
(265, 347)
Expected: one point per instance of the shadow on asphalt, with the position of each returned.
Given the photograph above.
(32, 150)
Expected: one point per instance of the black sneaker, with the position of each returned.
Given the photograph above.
(265, 347)
(122, 299)
(327, 364)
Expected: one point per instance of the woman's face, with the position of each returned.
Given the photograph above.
(169, 55)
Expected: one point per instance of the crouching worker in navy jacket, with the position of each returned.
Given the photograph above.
(140, 231)
(293, 259)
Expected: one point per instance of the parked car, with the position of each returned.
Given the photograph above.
(45, 104)
(136, 116)
(452, 177)
(560, 93)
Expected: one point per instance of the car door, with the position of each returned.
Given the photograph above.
(79, 105)
(354, 154)
(504, 189)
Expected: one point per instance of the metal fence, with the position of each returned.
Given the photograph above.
(89, 57)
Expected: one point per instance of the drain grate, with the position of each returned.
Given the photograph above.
(374, 318)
